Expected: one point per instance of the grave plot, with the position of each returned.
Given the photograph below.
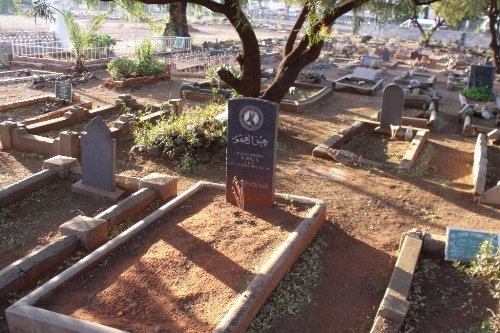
(303, 96)
(207, 259)
(61, 127)
(420, 285)
(413, 76)
(37, 106)
(372, 134)
(363, 81)
(9, 77)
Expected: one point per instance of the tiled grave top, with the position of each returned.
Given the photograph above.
(361, 73)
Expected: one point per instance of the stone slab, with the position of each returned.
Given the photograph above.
(367, 74)
(61, 164)
(165, 185)
(91, 232)
(130, 206)
(392, 107)
(81, 188)
(416, 146)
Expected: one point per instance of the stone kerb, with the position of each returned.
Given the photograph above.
(394, 306)
(81, 231)
(480, 164)
(22, 138)
(25, 316)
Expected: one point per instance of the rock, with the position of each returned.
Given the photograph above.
(154, 151)
(203, 158)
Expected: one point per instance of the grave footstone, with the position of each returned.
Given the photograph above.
(98, 159)
(392, 108)
(251, 151)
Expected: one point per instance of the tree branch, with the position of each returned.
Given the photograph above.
(295, 30)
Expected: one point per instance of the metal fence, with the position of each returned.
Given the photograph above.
(166, 44)
(201, 61)
(60, 50)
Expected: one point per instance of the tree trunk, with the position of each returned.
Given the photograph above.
(177, 26)
(493, 15)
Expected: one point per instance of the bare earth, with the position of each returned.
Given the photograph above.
(368, 208)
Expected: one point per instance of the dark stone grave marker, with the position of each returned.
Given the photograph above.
(98, 150)
(392, 107)
(386, 55)
(367, 61)
(464, 244)
(251, 150)
(63, 91)
(481, 76)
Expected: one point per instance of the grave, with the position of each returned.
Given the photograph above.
(251, 151)
(424, 79)
(370, 61)
(98, 158)
(481, 76)
(392, 108)
(363, 81)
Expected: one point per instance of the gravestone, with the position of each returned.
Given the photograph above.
(367, 74)
(481, 76)
(63, 91)
(98, 159)
(386, 55)
(392, 107)
(251, 150)
(368, 61)
(464, 244)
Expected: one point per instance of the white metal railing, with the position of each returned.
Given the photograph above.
(166, 44)
(59, 50)
(200, 62)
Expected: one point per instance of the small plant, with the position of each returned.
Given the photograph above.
(145, 64)
(479, 94)
(486, 268)
(366, 38)
(187, 165)
(238, 192)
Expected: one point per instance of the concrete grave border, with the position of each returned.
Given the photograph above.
(22, 136)
(336, 141)
(342, 85)
(81, 231)
(479, 172)
(44, 74)
(25, 316)
(302, 105)
(394, 305)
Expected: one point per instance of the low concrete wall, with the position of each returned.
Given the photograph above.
(23, 137)
(25, 316)
(19, 190)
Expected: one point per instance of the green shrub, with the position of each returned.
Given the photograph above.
(122, 68)
(145, 64)
(180, 136)
(366, 38)
(479, 94)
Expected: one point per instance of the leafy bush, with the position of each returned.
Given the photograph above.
(184, 136)
(121, 68)
(479, 94)
(366, 38)
(213, 78)
(145, 64)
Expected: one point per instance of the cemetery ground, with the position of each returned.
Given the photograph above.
(368, 208)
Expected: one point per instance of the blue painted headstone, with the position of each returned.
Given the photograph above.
(464, 244)
(98, 154)
(251, 150)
